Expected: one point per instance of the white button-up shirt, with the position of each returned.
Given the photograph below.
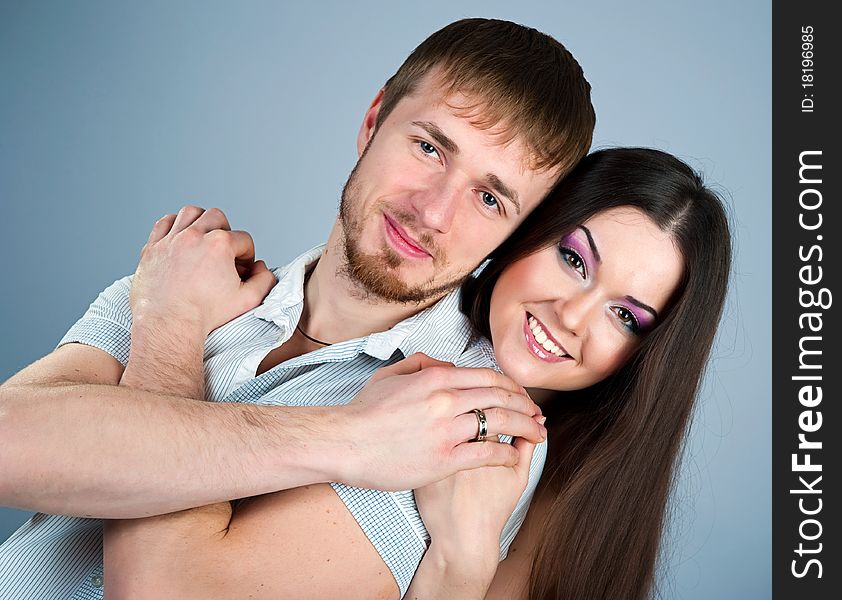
(61, 557)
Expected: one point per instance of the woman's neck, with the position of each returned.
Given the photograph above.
(540, 396)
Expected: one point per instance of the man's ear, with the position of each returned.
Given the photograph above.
(369, 123)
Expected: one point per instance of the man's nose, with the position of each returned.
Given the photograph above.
(436, 205)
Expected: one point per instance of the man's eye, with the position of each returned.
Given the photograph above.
(428, 148)
(489, 200)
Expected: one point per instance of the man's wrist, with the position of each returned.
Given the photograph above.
(302, 442)
(166, 356)
(181, 318)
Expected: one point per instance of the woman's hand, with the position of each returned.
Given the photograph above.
(465, 515)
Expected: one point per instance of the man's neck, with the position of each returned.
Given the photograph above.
(335, 309)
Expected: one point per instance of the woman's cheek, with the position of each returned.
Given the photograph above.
(611, 358)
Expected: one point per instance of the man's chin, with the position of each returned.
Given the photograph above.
(379, 279)
(387, 277)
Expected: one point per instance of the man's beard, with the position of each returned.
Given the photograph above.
(375, 274)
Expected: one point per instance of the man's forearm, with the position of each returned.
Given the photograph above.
(166, 358)
(111, 451)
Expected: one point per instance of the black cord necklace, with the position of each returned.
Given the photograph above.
(298, 327)
(312, 339)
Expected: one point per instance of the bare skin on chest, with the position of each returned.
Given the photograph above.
(295, 346)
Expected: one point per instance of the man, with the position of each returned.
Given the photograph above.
(470, 134)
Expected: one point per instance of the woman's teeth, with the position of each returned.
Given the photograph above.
(542, 338)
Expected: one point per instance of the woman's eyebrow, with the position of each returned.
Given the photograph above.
(640, 304)
(591, 242)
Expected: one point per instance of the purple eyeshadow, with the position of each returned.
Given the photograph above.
(582, 248)
(644, 318)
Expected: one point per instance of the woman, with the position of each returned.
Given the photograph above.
(632, 218)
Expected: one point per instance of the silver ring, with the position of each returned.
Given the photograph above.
(482, 426)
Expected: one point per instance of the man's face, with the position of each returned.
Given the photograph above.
(431, 196)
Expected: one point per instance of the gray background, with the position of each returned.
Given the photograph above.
(112, 114)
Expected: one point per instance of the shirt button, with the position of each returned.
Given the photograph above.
(96, 581)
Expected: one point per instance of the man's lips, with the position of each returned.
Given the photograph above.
(402, 241)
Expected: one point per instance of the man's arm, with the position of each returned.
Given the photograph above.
(74, 442)
(300, 543)
(294, 544)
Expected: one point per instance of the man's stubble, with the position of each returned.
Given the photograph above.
(375, 275)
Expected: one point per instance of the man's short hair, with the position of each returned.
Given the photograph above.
(521, 79)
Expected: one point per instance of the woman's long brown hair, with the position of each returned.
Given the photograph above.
(613, 447)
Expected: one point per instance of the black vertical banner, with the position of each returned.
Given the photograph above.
(806, 171)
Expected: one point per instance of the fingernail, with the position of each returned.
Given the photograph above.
(541, 420)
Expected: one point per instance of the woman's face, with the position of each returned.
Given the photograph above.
(570, 315)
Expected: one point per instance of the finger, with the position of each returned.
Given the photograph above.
(259, 282)
(414, 363)
(161, 228)
(211, 219)
(242, 244)
(410, 364)
(472, 455)
(463, 378)
(494, 397)
(526, 451)
(500, 422)
(186, 216)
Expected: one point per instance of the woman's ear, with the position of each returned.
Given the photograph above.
(369, 123)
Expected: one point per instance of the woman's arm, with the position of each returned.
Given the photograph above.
(465, 515)
(444, 576)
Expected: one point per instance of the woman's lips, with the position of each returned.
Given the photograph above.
(401, 241)
(538, 349)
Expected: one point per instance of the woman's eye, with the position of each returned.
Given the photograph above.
(627, 318)
(574, 261)
(428, 148)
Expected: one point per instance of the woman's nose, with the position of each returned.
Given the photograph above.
(576, 311)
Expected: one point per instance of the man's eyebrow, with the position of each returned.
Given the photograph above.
(646, 307)
(438, 135)
(493, 181)
(592, 244)
(445, 142)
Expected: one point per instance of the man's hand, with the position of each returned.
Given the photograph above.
(195, 269)
(411, 424)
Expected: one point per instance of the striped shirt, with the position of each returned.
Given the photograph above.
(61, 557)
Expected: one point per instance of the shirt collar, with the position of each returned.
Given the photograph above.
(285, 301)
(440, 331)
